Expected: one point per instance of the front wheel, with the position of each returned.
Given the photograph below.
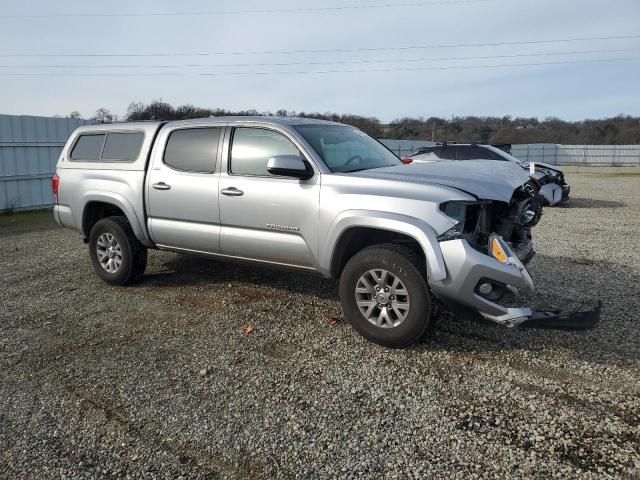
(116, 254)
(385, 296)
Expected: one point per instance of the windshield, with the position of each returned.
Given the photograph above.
(346, 149)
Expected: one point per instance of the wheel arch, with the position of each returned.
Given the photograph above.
(355, 230)
(100, 205)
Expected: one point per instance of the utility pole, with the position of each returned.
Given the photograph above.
(433, 132)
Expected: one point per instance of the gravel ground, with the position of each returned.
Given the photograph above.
(159, 379)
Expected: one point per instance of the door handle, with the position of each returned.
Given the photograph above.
(232, 192)
(161, 186)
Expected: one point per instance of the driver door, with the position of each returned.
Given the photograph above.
(266, 217)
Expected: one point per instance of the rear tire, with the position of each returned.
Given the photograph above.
(393, 309)
(116, 254)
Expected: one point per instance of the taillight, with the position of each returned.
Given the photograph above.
(55, 185)
(406, 160)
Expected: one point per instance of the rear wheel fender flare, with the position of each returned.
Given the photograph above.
(123, 204)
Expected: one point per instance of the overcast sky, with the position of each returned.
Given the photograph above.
(570, 91)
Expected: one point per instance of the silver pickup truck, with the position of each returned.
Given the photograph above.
(310, 195)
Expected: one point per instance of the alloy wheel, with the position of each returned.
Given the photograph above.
(382, 298)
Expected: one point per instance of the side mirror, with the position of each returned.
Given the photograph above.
(289, 166)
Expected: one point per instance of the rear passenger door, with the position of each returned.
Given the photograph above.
(182, 189)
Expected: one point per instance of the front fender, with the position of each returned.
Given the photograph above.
(417, 229)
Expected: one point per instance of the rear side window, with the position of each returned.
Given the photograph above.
(193, 149)
(88, 147)
(253, 147)
(448, 153)
(472, 153)
(108, 147)
(122, 146)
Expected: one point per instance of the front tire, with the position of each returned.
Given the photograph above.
(385, 296)
(116, 254)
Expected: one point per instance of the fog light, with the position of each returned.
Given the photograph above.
(485, 288)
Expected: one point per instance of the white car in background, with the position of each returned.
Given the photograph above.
(553, 187)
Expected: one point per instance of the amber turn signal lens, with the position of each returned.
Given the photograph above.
(497, 251)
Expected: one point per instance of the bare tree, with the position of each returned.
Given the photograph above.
(103, 115)
(135, 111)
(74, 114)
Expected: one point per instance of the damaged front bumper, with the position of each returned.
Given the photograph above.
(476, 282)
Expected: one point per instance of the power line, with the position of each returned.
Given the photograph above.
(312, 72)
(327, 50)
(245, 11)
(346, 62)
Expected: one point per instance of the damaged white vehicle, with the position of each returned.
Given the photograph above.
(549, 178)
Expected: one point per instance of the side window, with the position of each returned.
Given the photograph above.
(253, 147)
(193, 149)
(448, 153)
(123, 147)
(472, 153)
(88, 147)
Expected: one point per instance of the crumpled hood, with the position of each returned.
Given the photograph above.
(485, 179)
(548, 166)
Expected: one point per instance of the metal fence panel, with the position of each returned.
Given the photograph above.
(585, 155)
(29, 150)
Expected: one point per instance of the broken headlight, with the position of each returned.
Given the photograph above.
(465, 214)
(451, 234)
(458, 212)
(455, 210)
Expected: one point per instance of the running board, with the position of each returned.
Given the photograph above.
(555, 320)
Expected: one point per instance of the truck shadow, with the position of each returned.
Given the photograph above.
(196, 270)
(562, 283)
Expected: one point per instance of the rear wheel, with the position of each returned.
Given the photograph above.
(116, 254)
(385, 296)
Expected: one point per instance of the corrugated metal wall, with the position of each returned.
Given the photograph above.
(29, 150)
(587, 155)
